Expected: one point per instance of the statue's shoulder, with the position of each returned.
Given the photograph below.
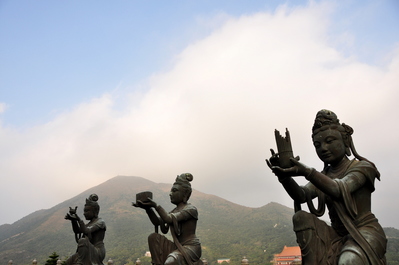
(361, 165)
(101, 223)
(366, 169)
(189, 206)
(191, 209)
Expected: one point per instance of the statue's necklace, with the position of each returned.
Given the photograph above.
(339, 171)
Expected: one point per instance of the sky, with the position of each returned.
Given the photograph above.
(90, 90)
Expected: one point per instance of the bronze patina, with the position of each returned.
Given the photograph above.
(90, 236)
(344, 186)
(181, 221)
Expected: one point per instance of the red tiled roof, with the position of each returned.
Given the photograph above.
(289, 251)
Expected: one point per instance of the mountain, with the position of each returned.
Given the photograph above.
(226, 230)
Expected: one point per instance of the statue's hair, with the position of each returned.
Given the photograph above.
(184, 181)
(92, 202)
(326, 119)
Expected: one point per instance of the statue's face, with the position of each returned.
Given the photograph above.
(176, 194)
(330, 146)
(88, 212)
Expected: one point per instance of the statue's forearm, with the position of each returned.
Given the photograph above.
(153, 217)
(75, 227)
(166, 217)
(83, 228)
(294, 190)
(324, 183)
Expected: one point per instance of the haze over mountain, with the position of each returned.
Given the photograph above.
(226, 230)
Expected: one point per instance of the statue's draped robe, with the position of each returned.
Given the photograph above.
(349, 231)
(161, 248)
(90, 252)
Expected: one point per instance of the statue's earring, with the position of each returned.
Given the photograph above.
(348, 151)
(349, 146)
(347, 139)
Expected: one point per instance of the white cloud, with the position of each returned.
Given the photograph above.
(3, 107)
(213, 114)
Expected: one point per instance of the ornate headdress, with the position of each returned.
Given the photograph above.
(328, 118)
(184, 179)
(92, 201)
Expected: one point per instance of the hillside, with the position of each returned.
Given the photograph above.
(226, 230)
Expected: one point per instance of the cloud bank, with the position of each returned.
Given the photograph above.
(213, 113)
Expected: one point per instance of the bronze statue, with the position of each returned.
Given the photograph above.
(182, 222)
(89, 236)
(345, 187)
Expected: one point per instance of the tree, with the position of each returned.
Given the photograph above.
(53, 258)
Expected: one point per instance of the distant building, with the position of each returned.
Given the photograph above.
(223, 260)
(289, 255)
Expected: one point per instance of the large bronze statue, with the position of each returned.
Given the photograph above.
(345, 187)
(89, 236)
(181, 221)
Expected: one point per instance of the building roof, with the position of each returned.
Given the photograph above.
(289, 251)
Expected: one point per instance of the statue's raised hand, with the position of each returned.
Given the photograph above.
(72, 214)
(145, 204)
(72, 217)
(273, 160)
(274, 164)
(298, 169)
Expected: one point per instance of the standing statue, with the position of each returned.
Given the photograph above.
(345, 186)
(181, 221)
(89, 236)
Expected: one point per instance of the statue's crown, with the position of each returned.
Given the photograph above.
(328, 118)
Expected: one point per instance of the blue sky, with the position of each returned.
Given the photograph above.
(71, 52)
(90, 90)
